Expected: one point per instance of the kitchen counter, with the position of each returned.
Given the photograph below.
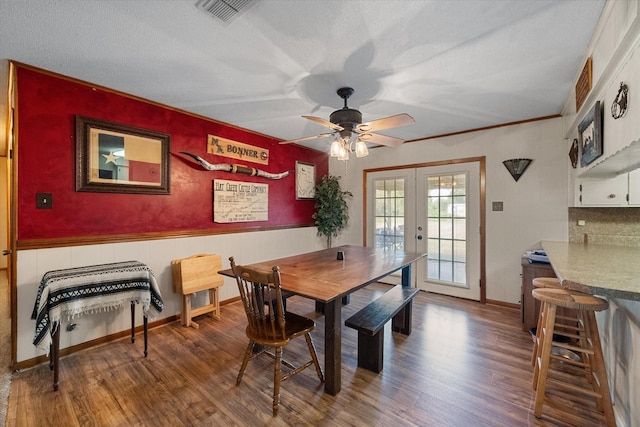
(605, 270)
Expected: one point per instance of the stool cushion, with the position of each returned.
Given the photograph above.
(546, 282)
(570, 299)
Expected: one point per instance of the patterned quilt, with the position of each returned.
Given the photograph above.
(83, 290)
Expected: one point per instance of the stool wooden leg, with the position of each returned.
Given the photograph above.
(599, 368)
(540, 333)
(585, 342)
(542, 364)
(536, 339)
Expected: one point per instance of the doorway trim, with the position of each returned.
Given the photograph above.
(482, 163)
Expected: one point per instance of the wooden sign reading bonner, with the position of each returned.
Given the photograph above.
(237, 150)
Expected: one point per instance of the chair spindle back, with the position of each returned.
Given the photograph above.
(262, 299)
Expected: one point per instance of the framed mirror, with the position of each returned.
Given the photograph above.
(116, 158)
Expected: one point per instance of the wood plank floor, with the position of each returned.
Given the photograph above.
(465, 364)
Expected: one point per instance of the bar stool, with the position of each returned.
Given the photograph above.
(567, 324)
(592, 361)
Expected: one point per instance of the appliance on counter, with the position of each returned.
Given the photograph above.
(537, 256)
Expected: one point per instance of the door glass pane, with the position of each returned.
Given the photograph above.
(447, 228)
(389, 211)
(459, 272)
(459, 251)
(433, 227)
(445, 207)
(446, 249)
(459, 184)
(460, 228)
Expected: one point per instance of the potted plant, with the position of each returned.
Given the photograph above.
(331, 210)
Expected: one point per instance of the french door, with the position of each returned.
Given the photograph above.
(432, 209)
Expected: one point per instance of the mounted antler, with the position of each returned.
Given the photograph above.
(235, 168)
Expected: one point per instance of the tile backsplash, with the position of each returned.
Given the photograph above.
(606, 226)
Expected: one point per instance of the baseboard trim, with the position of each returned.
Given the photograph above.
(503, 304)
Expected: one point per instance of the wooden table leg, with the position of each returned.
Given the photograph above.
(56, 357)
(51, 356)
(133, 322)
(333, 346)
(406, 276)
(320, 305)
(146, 327)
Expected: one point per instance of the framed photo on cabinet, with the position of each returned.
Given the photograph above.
(590, 135)
(305, 181)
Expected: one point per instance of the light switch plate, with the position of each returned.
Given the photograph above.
(44, 201)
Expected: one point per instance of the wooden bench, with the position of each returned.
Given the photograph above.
(369, 322)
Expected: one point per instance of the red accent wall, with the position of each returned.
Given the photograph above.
(47, 106)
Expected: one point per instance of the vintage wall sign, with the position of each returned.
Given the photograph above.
(235, 201)
(237, 150)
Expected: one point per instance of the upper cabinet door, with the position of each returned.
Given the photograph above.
(603, 192)
(634, 188)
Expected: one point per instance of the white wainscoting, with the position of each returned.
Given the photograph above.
(157, 254)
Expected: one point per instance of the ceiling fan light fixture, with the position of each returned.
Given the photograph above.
(361, 149)
(344, 154)
(350, 135)
(336, 147)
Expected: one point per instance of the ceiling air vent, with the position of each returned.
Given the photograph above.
(225, 10)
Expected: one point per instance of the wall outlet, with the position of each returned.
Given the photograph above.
(497, 206)
(582, 222)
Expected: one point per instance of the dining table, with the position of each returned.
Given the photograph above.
(323, 277)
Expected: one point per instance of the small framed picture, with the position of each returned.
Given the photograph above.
(590, 134)
(305, 181)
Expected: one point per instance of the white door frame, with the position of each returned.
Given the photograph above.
(482, 165)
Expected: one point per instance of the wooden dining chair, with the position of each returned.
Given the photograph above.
(269, 326)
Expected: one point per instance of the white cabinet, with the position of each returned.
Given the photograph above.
(634, 188)
(605, 192)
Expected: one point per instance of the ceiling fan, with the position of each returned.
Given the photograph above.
(349, 131)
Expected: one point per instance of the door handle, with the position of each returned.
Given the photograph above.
(7, 252)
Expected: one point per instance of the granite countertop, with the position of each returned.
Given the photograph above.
(604, 270)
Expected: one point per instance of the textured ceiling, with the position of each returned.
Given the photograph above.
(452, 65)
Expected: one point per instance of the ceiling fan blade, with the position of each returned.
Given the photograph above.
(322, 135)
(386, 123)
(323, 122)
(376, 138)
